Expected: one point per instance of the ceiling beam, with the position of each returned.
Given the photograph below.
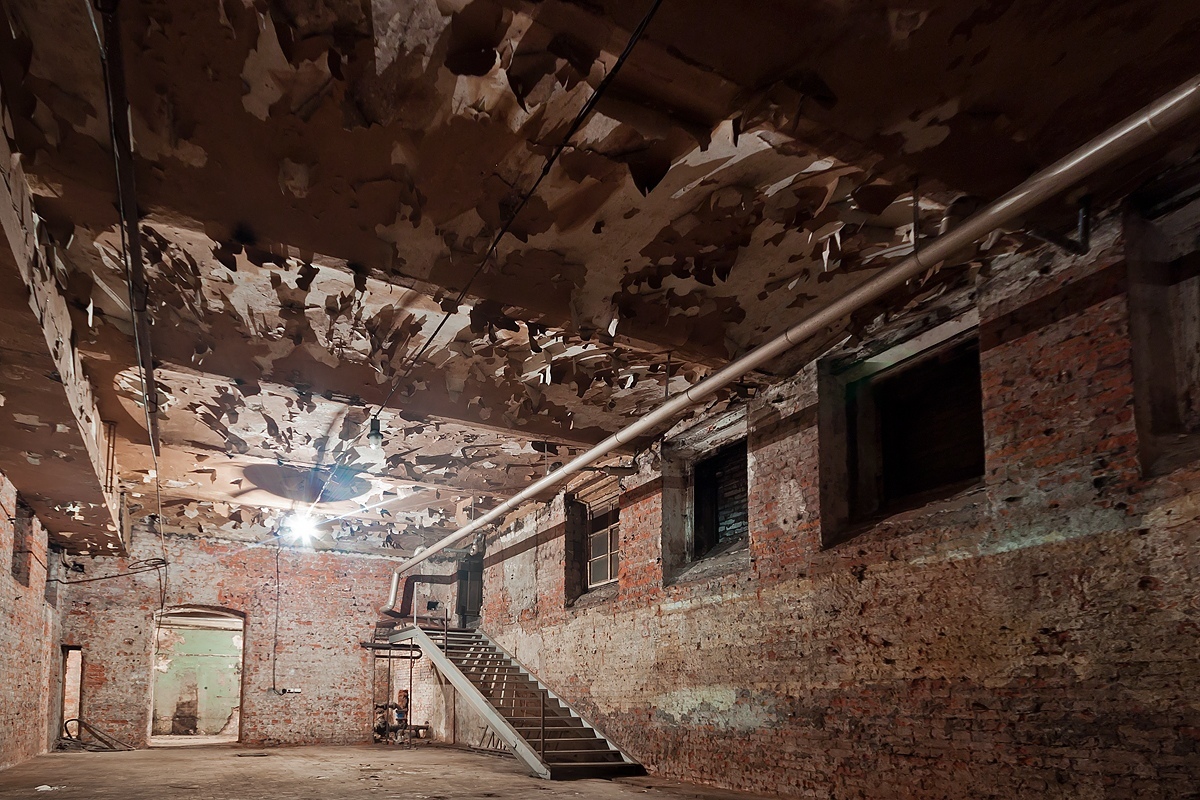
(55, 449)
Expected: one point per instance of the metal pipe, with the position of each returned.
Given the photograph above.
(410, 590)
(1101, 151)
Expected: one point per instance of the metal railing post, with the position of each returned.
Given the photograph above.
(542, 740)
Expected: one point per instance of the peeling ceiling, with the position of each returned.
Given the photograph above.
(319, 180)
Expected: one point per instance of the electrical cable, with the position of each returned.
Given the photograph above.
(576, 124)
(135, 568)
(107, 741)
(147, 407)
(34, 556)
(275, 636)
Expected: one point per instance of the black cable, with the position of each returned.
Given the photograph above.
(275, 637)
(135, 568)
(134, 301)
(34, 556)
(576, 125)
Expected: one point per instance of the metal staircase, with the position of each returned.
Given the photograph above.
(546, 734)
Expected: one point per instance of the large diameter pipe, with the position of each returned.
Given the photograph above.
(1106, 148)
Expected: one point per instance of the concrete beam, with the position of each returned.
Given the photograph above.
(55, 445)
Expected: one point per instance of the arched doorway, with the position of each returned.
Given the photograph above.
(197, 676)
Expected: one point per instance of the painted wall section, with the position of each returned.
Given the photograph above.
(327, 606)
(30, 661)
(1038, 635)
(198, 682)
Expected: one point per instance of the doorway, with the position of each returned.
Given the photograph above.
(470, 591)
(197, 677)
(72, 690)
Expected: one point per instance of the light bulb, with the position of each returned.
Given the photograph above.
(301, 528)
(375, 437)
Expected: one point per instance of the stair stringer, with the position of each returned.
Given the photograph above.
(550, 692)
(469, 692)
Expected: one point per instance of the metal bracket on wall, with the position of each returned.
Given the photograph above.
(1082, 244)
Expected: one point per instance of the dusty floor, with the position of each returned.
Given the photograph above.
(298, 773)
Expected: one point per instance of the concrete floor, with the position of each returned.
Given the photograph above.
(300, 773)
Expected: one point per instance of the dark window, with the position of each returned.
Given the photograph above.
(914, 431)
(720, 502)
(1164, 322)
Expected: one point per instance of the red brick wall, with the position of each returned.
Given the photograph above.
(328, 604)
(1036, 636)
(30, 660)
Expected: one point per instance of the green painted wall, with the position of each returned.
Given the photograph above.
(197, 681)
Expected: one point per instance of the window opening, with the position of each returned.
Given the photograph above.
(720, 497)
(910, 432)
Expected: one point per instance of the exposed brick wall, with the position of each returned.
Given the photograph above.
(1037, 636)
(30, 662)
(328, 604)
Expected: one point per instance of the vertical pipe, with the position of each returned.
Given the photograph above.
(408, 711)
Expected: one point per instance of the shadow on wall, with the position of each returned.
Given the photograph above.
(198, 674)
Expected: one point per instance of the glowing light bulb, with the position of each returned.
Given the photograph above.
(375, 437)
(301, 528)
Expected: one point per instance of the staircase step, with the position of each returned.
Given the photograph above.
(585, 757)
(480, 658)
(562, 743)
(600, 769)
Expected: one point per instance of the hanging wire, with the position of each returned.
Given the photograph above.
(133, 568)
(275, 635)
(149, 404)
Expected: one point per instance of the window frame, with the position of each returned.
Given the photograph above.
(611, 556)
(842, 449)
(584, 505)
(1163, 276)
(682, 450)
